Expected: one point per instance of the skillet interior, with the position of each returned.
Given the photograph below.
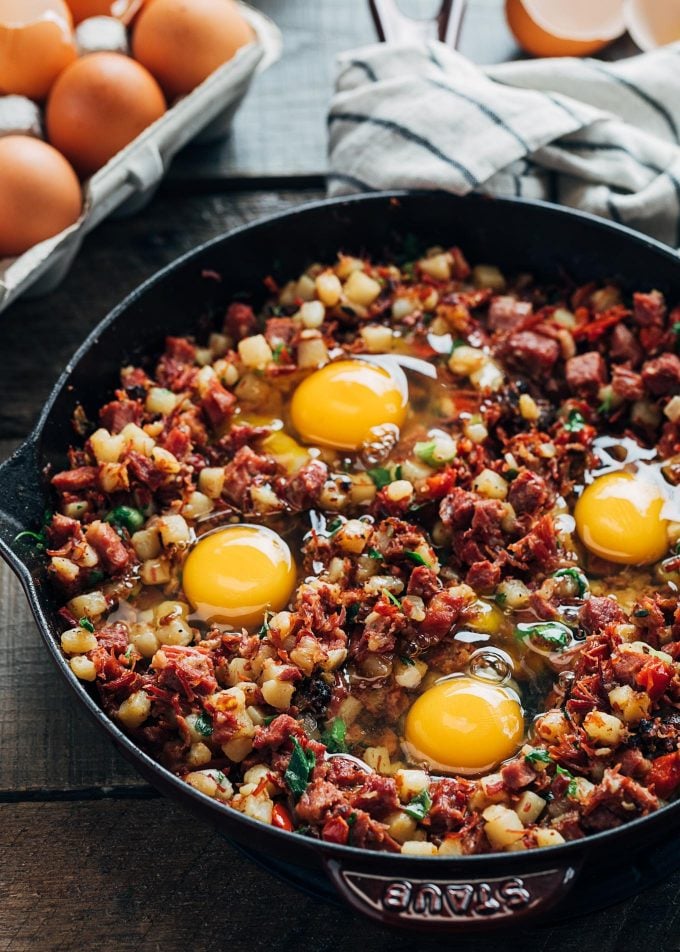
(516, 235)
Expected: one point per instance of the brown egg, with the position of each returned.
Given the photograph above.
(36, 44)
(122, 9)
(99, 105)
(39, 194)
(183, 41)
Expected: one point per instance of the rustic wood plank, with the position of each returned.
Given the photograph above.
(146, 875)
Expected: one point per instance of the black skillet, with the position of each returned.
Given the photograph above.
(467, 893)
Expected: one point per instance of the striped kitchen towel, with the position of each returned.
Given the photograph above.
(604, 137)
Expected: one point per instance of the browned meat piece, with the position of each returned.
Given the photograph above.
(536, 353)
(239, 321)
(649, 309)
(483, 576)
(117, 414)
(72, 480)
(597, 613)
(377, 796)
(624, 346)
(107, 544)
(627, 384)
(661, 376)
(528, 493)
(586, 373)
(506, 312)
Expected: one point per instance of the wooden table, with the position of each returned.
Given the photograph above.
(90, 857)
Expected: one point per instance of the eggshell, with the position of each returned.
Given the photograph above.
(556, 28)
(101, 34)
(36, 44)
(20, 116)
(99, 105)
(39, 194)
(181, 42)
(652, 23)
(122, 9)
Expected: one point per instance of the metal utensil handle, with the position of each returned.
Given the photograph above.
(451, 905)
(393, 26)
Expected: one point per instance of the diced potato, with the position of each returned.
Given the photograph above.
(199, 754)
(464, 360)
(306, 288)
(361, 289)
(335, 657)
(175, 632)
(399, 491)
(490, 485)
(76, 510)
(259, 807)
(363, 489)
(418, 848)
(451, 845)
(403, 306)
(410, 783)
(353, 536)
(198, 504)
(347, 265)
(219, 344)
(488, 276)
(78, 641)
(113, 477)
(155, 572)
(106, 448)
(173, 529)
(211, 481)
(143, 637)
(514, 593)
(213, 783)
(547, 837)
(255, 351)
(257, 774)
(378, 758)
(475, 430)
(604, 729)
(134, 710)
(528, 408)
(631, 706)
(350, 709)
(160, 400)
(278, 693)
(529, 807)
(400, 826)
(488, 377)
(65, 569)
(552, 726)
(328, 288)
(83, 668)
(136, 439)
(165, 461)
(307, 653)
(409, 676)
(377, 338)
(437, 266)
(90, 605)
(312, 353)
(502, 827)
(237, 749)
(312, 314)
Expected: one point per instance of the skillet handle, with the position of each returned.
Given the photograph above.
(22, 504)
(451, 905)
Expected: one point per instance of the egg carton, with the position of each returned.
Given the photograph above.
(129, 180)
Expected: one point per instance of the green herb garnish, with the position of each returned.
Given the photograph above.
(203, 724)
(574, 422)
(572, 789)
(126, 517)
(352, 612)
(417, 558)
(578, 576)
(264, 627)
(85, 623)
(391, 598)
(641, 613)
(406, 660)
(351, 819)
(334, 736)
(538, 757)
(374, 554)
(419, 807)
(552, 634)
(500, 599)
(299, 770)
(380, 476)
(277, 352)
(37, 538)
(605, 408)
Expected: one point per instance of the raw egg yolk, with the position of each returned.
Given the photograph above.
(464, 725)
(618, 517)
(339, 405)
(234, 575)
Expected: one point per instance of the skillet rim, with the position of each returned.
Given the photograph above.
(545, 857)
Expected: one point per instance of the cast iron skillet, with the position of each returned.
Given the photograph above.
(466, 893)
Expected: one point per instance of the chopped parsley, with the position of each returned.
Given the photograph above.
(417, 558)
(203, 724)
(85, 623)
(456, 343)
(380, 476)
(334, 737)
(37, 538)
(500, 599)
(419, 807)
(351, 819)
(552, 635)
(406, 660)
(126, 517)
(268, 719)
(264, 627)
(572, 789)
(605, 408)
(374, 554)
(299, 770)
(574, 422)
(391, 598)
(578, 576)
(352, 612)
(277, 352)
(538, 757)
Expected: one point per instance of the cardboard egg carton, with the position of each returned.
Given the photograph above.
(129, 180)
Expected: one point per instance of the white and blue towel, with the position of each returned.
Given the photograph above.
(604, 137)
